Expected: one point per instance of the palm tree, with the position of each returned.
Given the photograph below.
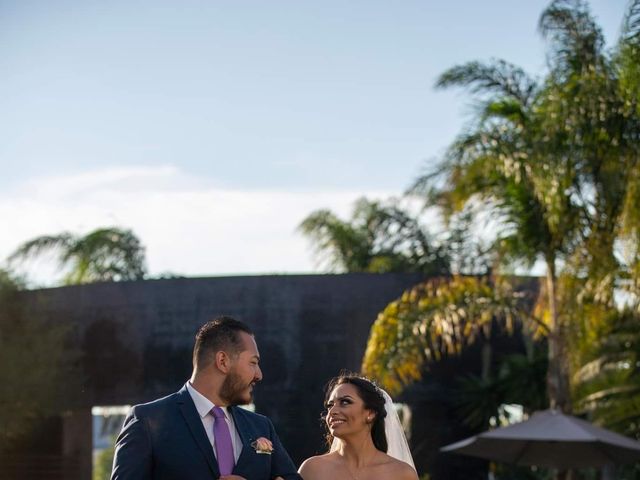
(558, 164)
(592, 117)
(378, 238)
(593, 106)
(503, 162)
(105, 254)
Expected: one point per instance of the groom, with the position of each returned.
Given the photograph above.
(199, 433)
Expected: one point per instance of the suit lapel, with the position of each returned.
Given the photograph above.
(245, 432)
(191, 416)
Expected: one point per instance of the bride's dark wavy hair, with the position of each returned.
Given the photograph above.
(373, 400)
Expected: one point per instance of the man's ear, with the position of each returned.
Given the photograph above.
(223, 361)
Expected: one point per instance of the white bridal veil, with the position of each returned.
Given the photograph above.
(396, 440)
(398, 446)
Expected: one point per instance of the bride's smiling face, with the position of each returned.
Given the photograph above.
(346, 412)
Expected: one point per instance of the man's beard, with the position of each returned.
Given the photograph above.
(233, 388)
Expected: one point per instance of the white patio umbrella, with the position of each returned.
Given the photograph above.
(551, 439)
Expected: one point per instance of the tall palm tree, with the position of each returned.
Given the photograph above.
(105, 254)
(592, 117)
(593, 104)
(558, 164)
(504, 162)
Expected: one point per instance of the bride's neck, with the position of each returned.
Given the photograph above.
(359, 450)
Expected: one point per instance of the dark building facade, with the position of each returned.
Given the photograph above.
(134, 342)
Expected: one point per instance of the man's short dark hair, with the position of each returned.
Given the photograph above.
(220, 334)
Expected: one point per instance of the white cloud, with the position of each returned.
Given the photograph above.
(189, 226)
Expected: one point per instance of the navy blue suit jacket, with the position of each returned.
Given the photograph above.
(165, 440)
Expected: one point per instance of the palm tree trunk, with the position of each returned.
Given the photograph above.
(558, 371)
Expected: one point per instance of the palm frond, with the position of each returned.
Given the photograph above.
(576, 41)
(607, 379)
(504, 109)
(41, 245)
(380, 237)
(430, 321)
(499, 77)
(105, 254)
(337, 243)
(631, 23)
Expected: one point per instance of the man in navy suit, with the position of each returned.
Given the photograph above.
(199, 433)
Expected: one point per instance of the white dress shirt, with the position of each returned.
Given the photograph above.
(204, 407)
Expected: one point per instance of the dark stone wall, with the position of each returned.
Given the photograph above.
(134, 339)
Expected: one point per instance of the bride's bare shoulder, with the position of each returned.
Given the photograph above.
(400, 470)
(315, 468)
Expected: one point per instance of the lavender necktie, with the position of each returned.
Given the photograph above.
(224, 448)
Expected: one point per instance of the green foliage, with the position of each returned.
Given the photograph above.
(467, 254)
(378, 238)
(607, 376)
(576, 41)
(33, 362)
(519, 379)
(105, 254)
(431, 320)
(103, 463)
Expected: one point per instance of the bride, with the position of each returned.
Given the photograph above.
(367, 439)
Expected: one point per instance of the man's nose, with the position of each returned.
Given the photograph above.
(258, 376)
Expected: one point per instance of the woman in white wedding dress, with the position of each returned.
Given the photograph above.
(367, 441)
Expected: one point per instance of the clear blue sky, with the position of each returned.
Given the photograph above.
(212, 127)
